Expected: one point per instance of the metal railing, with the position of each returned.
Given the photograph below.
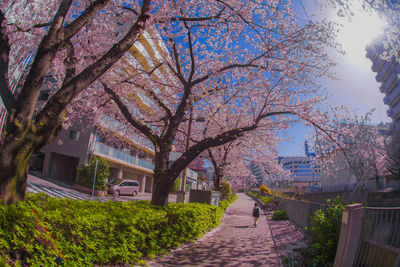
(379, 244)
(300, 212)
(121, 155)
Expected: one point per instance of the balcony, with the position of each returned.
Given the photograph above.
(395, 110)
(111, 152)
(388, 82)
(370, 52)
(388, 99)
(382, 73)
(377, 64)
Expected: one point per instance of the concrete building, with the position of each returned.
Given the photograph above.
(305, 172)
(258, 173)
(387, 73)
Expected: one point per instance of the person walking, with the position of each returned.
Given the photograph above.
(256, 214)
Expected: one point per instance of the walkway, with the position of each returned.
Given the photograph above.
(234, 243)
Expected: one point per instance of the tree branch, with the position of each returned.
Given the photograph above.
(147, 131)
(60, 100)
(5, 92)
(91, 11)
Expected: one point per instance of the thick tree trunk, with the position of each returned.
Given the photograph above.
(162, 182)
(20, 140)
(161, 188)
(14, 160)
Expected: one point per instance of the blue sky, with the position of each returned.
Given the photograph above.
(356, 87)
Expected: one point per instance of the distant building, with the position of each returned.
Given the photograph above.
(258, 173)
(305, 172)
(387, 73)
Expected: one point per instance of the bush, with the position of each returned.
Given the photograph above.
(265, 190)
(175, 185)
(226, 191)
(94, 233)
(264, 199)
(279, 215)
(325, 229)
(86, 173)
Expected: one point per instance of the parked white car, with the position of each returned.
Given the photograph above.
(124, 187)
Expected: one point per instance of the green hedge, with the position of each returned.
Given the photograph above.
(264, 199)
(94, 233)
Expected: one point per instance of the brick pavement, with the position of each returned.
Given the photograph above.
(234, 243)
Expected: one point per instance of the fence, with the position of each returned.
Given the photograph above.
(379, 244)
(299, 212)
(368, 236)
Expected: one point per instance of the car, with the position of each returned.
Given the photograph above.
(124, 187)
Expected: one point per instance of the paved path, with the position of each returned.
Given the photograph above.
(234, 243)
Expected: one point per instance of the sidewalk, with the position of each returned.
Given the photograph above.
(234, 243)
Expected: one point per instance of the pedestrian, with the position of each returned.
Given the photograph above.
(256, 214)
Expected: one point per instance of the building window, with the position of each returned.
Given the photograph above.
(74, 135)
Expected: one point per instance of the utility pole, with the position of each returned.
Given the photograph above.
(181, 194)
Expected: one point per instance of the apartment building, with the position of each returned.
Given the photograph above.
(133, 158)
(387, 73)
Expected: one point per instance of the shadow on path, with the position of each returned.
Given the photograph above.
(235, 243)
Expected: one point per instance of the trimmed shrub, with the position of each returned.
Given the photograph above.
(264, 199)
(279, 215)
(86, 173)
(91, 233)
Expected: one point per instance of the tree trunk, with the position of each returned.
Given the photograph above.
(20, 140)
(217, 180)
(161, 188)
(14, 162)
(162, 182)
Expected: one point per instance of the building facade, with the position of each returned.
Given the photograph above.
(305, 172)
(387, 73)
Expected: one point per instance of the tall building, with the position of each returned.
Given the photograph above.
(387, 73)
(305, 171)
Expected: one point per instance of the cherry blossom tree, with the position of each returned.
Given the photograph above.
(242, 66)
(61, 36)
(358, 149)
(233, 160)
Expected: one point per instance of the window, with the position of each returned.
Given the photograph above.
(74, 135)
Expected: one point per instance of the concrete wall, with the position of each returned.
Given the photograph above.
(63, 145)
